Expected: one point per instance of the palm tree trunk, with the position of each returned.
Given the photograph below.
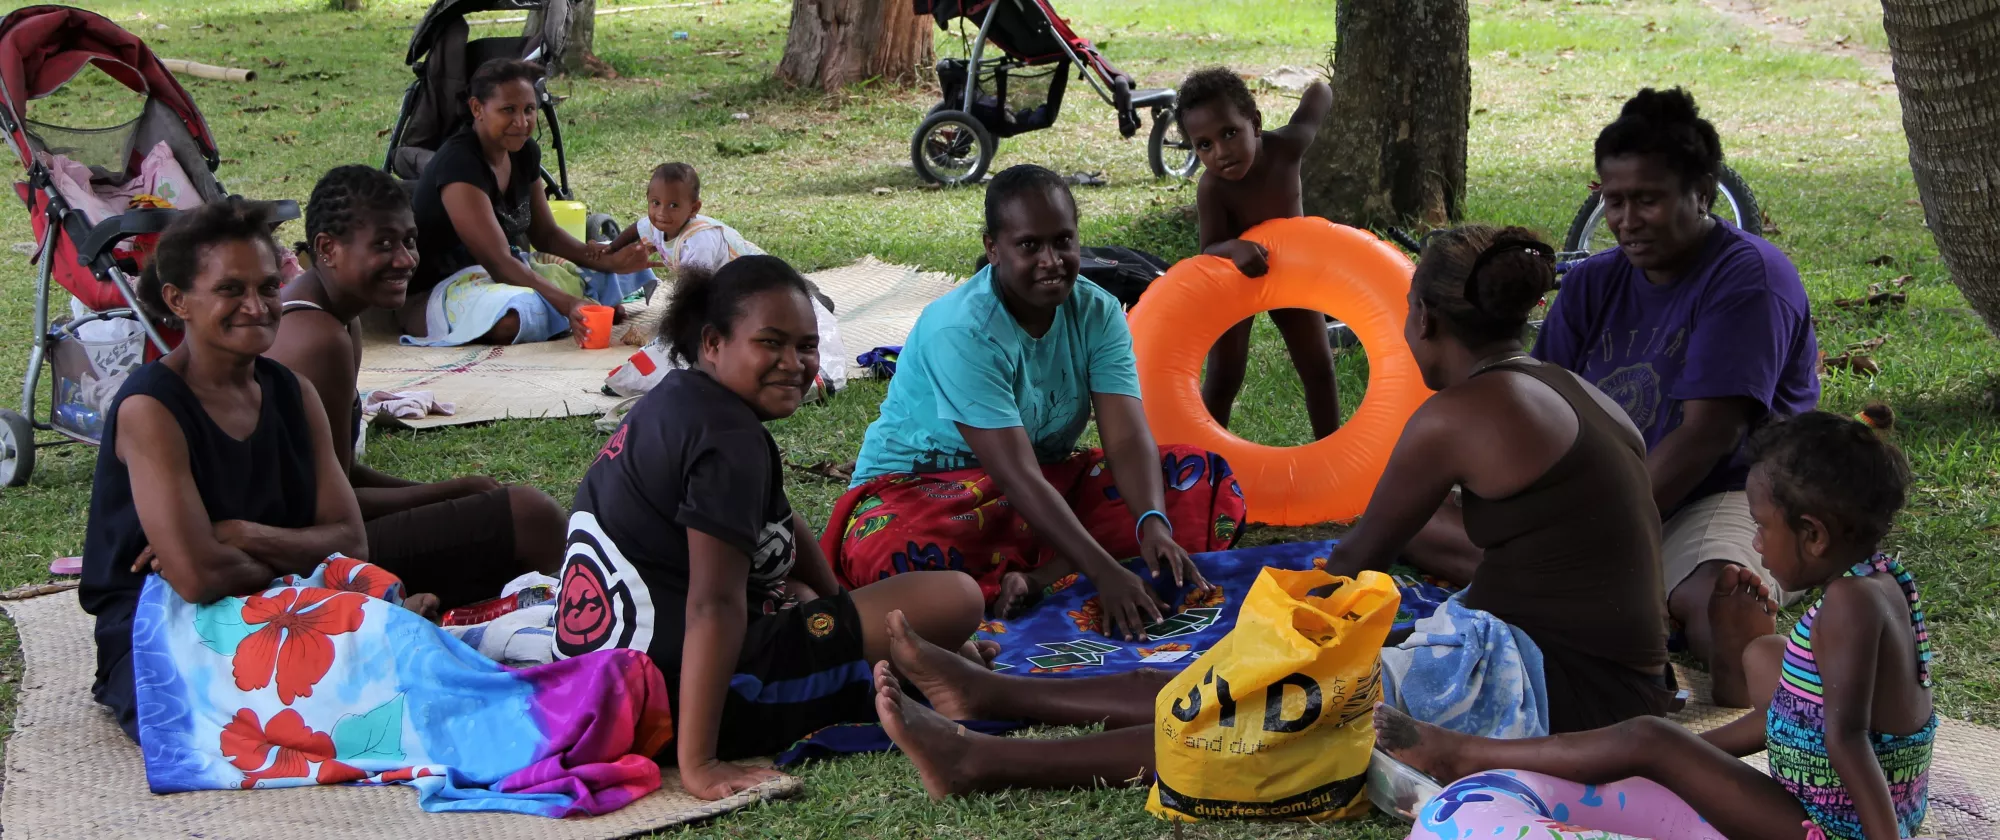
(1393, 149)
(1946, 54)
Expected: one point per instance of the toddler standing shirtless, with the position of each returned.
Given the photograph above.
(1253, 176)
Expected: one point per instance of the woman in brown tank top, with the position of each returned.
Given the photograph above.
(1557, 532)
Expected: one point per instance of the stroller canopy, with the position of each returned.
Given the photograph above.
(445, 13)
(444, 60)
(43, 47)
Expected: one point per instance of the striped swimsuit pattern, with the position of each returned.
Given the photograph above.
(1795, 729)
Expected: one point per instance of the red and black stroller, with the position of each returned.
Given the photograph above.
(986, 98)
(98, 198)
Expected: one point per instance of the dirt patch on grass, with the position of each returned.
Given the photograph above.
(1793, 33)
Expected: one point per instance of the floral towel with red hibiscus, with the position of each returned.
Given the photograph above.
(327, 679)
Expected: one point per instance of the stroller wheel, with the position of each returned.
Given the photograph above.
(952, 148)
(1168, 150)
(602, 227)
(17, 449)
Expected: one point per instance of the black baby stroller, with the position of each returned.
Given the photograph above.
(986, 99)
(444, 57)
(98, 199)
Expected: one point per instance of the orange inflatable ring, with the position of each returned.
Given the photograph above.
(1315, 264)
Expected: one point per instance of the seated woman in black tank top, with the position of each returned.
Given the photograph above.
(217, 470)
(1556, 532)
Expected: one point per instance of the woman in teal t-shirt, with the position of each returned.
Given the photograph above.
(973, 466)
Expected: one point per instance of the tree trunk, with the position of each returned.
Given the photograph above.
(835, 43)
(577, 59)
(1946, 55)
(1393, 149)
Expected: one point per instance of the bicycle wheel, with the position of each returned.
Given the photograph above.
(952, 148)
(1168, 149)
(1733, 201)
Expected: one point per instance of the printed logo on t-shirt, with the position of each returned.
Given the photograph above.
(773, 560)
(613, 447)
(1636, 388)
(604, 602)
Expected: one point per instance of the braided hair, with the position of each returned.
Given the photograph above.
(1666, 124)
(346, 197)
(1484, 281)
(1836, 469)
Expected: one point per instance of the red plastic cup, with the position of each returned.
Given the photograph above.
(596, 332)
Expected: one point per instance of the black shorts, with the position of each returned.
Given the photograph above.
(461, 550)
(801, 670)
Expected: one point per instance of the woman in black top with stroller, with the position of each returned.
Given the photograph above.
(479, 206)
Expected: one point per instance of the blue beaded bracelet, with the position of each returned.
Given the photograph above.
(1137, 530)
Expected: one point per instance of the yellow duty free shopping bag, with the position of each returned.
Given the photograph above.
(1277, 720)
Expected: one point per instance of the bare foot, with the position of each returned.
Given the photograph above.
(945, 678)
(1016, 593)
(935, 745)
(1429, 749)
(1740, 610)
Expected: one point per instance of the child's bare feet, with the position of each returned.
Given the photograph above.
(946, 679)
(1429, 749)
(935, 745)
(1740, 611)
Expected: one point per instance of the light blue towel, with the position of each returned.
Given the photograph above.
(467, 304)
(613, 289)
(1464, 670)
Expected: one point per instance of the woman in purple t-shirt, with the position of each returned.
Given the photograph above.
(1701, 332)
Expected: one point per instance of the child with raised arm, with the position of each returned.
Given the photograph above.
(1848, 722)
(1252, 176)
(674, 226)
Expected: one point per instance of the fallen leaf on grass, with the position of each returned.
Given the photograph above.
(384, 132)
(883, 191)
(1902, 281)
(1874, 298)
(1871, 344)
(258, 109)
(827, 469)
(1859, 364)
(723, 53)
(1880, 261)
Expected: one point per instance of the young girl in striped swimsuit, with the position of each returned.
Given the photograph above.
(1849, 722)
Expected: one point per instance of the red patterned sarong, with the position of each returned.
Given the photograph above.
(959, 520)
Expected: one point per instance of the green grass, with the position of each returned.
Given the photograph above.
(1817, 136)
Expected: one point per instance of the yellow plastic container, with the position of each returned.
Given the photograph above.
(571, 216)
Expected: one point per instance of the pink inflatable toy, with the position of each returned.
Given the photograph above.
(1510, 804)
